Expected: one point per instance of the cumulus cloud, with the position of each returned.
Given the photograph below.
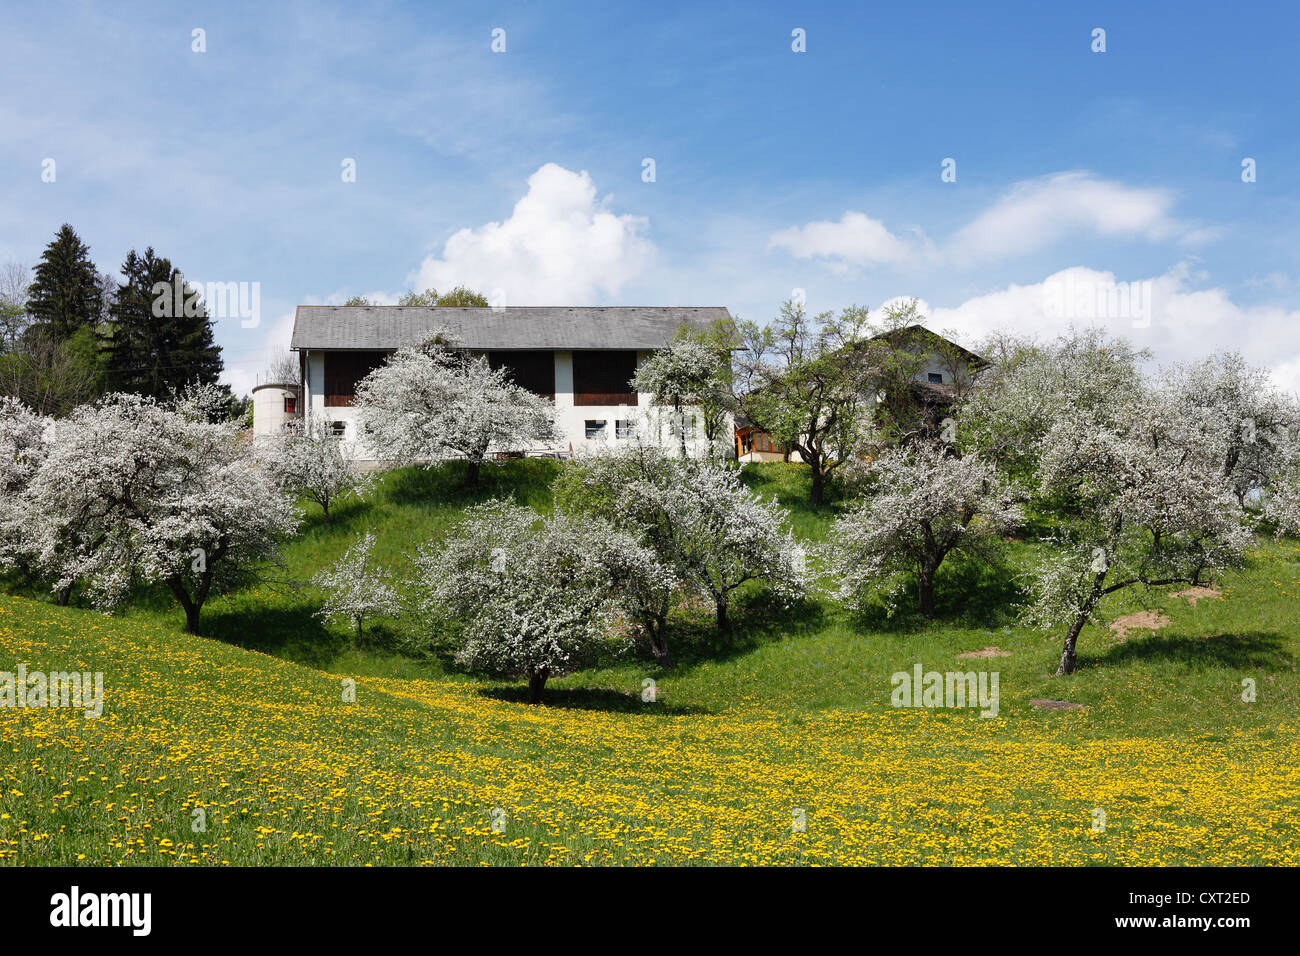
(1038, 212)
(1168, 314)
(1031, 215)
(560, 246)
(855, 240)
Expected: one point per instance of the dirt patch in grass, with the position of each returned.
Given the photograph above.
(1137, 621)
(1195, 594)
(1044, 704)
(985, 652)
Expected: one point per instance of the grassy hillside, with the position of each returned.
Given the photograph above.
(792, 712)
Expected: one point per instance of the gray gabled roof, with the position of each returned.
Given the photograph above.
(516, 327)
(894, 336)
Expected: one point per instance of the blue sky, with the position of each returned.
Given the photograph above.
(1099, 173)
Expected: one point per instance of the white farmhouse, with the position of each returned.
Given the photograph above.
(583, 359)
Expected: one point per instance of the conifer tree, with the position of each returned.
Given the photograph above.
(64, 296)
(160, 335)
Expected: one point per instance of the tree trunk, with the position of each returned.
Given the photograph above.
(681, 430)
(191, 618)
(723, 624)
(358, 630)
(537, 683)
(925, 593)
(471, 472)
(325, 509)
(63, 596)
(1068, 657)
(818, 495)
(659, 647)
(192, 607)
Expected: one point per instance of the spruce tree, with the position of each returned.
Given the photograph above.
(64, 296)
(159, 341)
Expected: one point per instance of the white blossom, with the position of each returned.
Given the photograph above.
(356, 589)
(688, 376)
(1012, 407)
(434, 403)
(23, 445)
(134, 489)
(533, 596)
(921, 503)
(700, 519)
(1231, 415)
(1123, 467)
(308, 460)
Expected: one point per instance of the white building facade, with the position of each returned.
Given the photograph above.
(583, 359)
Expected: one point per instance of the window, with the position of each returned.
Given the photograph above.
(595, 429)
(290, 404)
(343, 370)
(338, 428)
(603, 378)
(936, 377)
(624, 428)
(534, 371)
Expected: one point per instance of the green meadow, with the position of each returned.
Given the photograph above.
(776, 742)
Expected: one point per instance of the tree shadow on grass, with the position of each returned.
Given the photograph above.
(756, 619)
(291, 634)
(350, 514)
(967, 593)
(976, 594)
(1255, 649)
(605, 699)
(527, 481)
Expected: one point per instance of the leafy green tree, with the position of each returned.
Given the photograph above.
(158, 341)
(430, 298)
(807, 382)
(53, 377)
(65, 294)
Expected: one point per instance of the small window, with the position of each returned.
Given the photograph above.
(290, 405)
(936, 377)
(338, 428)
(625, 428)
(595, 429)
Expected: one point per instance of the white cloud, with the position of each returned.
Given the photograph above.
(1032, 215)
(1166, 313)
(560, 246)
(1038, 212)
(855, 240)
